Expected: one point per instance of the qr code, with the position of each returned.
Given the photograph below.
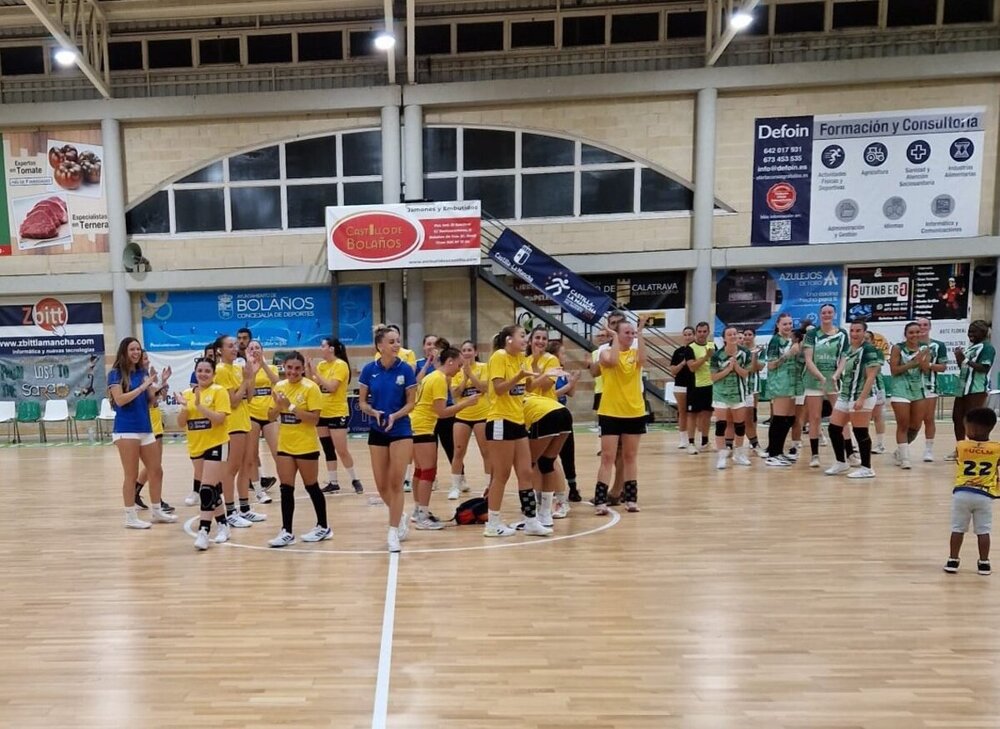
(780, 230)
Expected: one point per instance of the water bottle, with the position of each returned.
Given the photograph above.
(91, 434)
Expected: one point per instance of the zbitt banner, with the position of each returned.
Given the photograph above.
(572, 293)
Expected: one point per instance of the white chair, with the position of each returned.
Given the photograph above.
(668, 394)
(8, 417)
(107, 415)
(57, 411)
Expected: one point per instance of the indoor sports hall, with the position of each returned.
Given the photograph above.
(519, 364)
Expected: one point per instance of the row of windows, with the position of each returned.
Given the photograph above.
(498, 35)
(517, 175)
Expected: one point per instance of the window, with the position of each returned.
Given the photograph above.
(170, 53)
(798, 18)
(911, 12)
(269, 48)
(533, 35)
(256, 208)
(596, 155)
(635, 28)
(856, 15)
(496, 194)
(125, 56)
(260, 164)
(488, 149)
(362, 154)
(200, 210)
(152, 215)
(22, 60)
(212, 173)
(311, 158)
(479, 37)
(440, 189)
(432, 39)
(362, 193)
(606, 192)
(307, 205)
(587, 30)
(324, 46)
(363, 43)
(439, 150)
(968, 11)
(547, 195)
(218, 51)
(538, 150)
(659, 193)
(686, 25)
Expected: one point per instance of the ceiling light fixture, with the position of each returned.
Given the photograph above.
(65, 57)
(741, 20)
(384, 41)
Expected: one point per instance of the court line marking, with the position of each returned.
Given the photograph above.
(380, 710)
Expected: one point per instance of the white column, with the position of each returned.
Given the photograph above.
(390, 195)
(996, 325)
(114, 174)
(704, 205)
(413, 151)
(415, 309)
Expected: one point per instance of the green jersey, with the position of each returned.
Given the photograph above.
(781, 379)
(908, 385)
(974, 382)
(879, 379)
(827, 350)
(753, 379)
(939, 355)
(857, 363)
(731, 389)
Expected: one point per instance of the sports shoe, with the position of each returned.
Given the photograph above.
(192, 499)
(740, 459)
(854, 460)
(574, 496)
(359, 488)
(331, 488)
(534, 528)
(601, 510)
(692, 451)
(896, 458)
(465, 486)
(262, 496)
(404, 527)
(878, 449)
(814, 462)
(237, 521)
(266, 482)
(222, 535)
(928, 457)
(837, 468)
(428, 522)
(720, 460)
(139, 503)
(407, 486)
(282, 540)
(823, 440)
(252, 516)
(545, 518)
(132, 521)
(201, 541)
(861, 473)
(560, 510)
(904, 463)
(159, 516)
(983, 567)
(498, 530)
(453, 493)
(166, 508)
(793, 454)
(632, 507)
(761, 452)
(952, 457)
(317, 534)
(392, 541)
(777, 461)
(951, 565)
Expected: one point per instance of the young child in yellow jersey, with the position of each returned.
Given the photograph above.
(976, 486)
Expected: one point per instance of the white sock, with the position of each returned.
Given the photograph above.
(494, 517)
(418, 511)
(331, 476)
(130, 511)
(547, 501)
(352, 473)
(154, 505)
(904, 450)
(796, 444)
(456, 480)
(929, 445)
(409, 473)
(402, 520)
(393, 532)
(254, 486)
(880, 440)
(462, 478)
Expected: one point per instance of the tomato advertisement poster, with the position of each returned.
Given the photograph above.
(54, 185)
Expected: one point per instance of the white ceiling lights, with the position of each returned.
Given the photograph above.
(65, 57)
(384, 41)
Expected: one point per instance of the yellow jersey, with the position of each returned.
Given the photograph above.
(481, 409)
(545, 362)
(202, 433)
(510, 405)
(407, 355)
(703, 375)
(537, 407)
(231, 377)
(295, 437)
(424, 417)
(622, 397)
(977, 467)
(156, 419)
(260, 402)
(598, 382)
(335, 403)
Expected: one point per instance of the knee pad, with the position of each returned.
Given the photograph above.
(740, 428)
(546, 465)
(329, 452)
(720, 428)
(426, 474)
(218, 495)
(207, 496)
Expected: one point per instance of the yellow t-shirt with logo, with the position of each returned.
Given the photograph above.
(407, 355)
(156, 419)
(977, 467)
(294, 436)
(703, 375)
(545, 362)
(202, 434)
(423, 417)
(260, 402)
(510, 405)
(537, 407)
(481, 409)
(231, 377)
(598, 383)
(622, 397)
(335, 403)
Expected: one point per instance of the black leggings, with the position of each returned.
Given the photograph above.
(443, 431)
(568, 457)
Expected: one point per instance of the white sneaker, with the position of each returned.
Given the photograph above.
(392, 541)
(928, 457)
(862, 473)
(407, 486)
(282, 540)
(837, 468)
(904, 463)
(498, 530)
(792, 456)
(201, 541)
(896, 458)
(777, 461)
(428, 522)
(465, 486)
(560, 510)
(682, 445)
(134, 522)
(223, 534)
(453, 493)
(720, 460)
(253, 517)
(814, 462)
(951, 457)
(761, 452)
(602, 510)
(854, 460)
(878, 449)
(741, 459)
(158, 516)
(404, 527)
(692, 450)
(192, 499)
(545, 518)
(262, 496)
(238, 522)
(631, 507)
(534, 528)
(317, 534)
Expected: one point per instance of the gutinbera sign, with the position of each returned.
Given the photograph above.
(411, 235)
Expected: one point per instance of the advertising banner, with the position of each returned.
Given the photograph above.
(661, 295)
(754, 299)
(843, 178)
(571, 292)
(409, 235)
(51, 326)
(279, 318)
(54, 193)
(69, 377)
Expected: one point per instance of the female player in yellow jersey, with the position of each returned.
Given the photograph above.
(506, 434)
(622, 414)
(297, 406)
(333, 375)
(471, 379)
(238, 380)
(156, 418)
(431, 405)
(549, 424)
(541, 361)
(204, 414)
(259, 405)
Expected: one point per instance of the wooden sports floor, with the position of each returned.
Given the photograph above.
(744, 598)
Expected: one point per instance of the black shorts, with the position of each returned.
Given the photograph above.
(338, 423)
(597, 400)
(610, 425)
(314, 456)
(505, 430)
(218, 454)
(158, 436)
(700, 399)
(381, 440)
(262, 423)
(557, 422)
(425, 438)
(470, 423)
(239, 432)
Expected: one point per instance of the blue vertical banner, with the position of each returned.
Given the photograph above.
(574, 294)
(782, 180)
(755, 299)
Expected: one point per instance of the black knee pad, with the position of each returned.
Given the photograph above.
(546, 465)
(329, 452)
(740, 428)
(218, 495)
(207, 495)
(720, 428)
